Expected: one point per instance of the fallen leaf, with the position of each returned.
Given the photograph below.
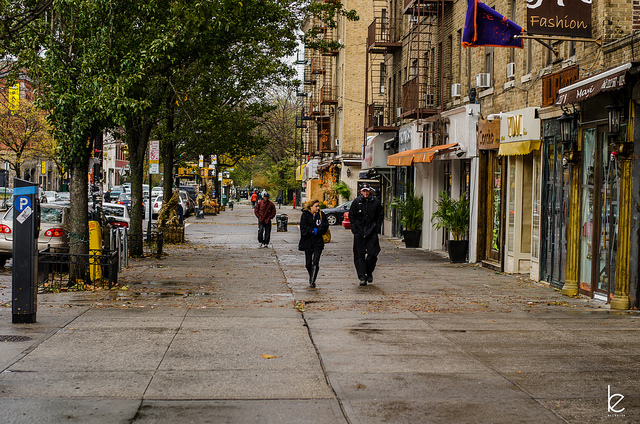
(265, 356)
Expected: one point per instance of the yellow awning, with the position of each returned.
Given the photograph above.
(427, 157)
(299, 171)
(517, 148)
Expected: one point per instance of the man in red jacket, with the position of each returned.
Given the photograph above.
(265, 210)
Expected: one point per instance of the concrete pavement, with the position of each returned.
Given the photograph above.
(220, 330)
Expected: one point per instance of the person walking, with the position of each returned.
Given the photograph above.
(265, 210)
(313, 224)
(279, 201)
(254, 199)
(366, 216)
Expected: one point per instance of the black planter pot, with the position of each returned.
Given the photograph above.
(412, 238)
(458, 251)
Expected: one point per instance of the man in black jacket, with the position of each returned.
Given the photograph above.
(366, 216)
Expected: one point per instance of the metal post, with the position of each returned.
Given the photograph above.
(26, 225)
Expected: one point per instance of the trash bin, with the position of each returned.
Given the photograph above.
(281, 222)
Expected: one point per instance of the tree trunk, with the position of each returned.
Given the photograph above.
(137, 141)
(168, 150)
(79, 225)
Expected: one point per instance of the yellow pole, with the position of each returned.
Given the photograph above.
(620, 299)
(95, 249)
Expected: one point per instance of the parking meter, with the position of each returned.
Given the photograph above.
(26, 226)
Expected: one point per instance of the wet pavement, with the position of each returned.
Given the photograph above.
(220, 330)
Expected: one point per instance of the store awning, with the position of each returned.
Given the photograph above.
(427, 157)
(299, 171)
(517, 148)
(404, 158)
(613, 79)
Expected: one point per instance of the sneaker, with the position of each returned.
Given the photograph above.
(363, 282)
(312, 285)
(369, 278)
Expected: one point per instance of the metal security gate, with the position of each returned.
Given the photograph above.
(555, 198)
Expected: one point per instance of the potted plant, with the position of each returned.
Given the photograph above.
(454, 216)
(411, 214)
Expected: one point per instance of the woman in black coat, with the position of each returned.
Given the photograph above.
(313, 224)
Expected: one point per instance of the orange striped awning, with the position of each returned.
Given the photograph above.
(427, 157)
(404, 158)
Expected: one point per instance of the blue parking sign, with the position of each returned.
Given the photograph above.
(21, 203)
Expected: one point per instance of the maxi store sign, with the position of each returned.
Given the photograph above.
(568, 18)
(154, 157)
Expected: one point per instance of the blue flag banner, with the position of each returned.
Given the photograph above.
(483, 26)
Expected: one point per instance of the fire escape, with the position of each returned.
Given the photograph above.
(422, 90)
(321, 96)
(384, 37)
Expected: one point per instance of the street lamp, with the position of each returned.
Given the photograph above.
(565, 127)
(615, 115)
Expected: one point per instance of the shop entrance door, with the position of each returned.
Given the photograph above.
(555, 214)
(599, 217)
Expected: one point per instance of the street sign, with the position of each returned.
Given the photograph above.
(154, 157)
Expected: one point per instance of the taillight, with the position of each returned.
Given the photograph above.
(156, 205)
(54, 232)
(4, 229)
(119, 224)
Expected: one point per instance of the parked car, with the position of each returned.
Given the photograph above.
(116, 214)
(64, 196)
(52, 196)
(345, 220)
(54, 220)
(192, 191)
(188, 203)
(157, 205)
(124, 199)
(157, 191)
(334, 215)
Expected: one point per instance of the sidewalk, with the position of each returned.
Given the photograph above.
(220, 330)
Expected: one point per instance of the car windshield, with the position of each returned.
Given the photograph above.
(113, 210)
(124, 196)
(50, 215)
(65, 195)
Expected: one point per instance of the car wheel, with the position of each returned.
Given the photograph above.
(3, 260)
(332, 219)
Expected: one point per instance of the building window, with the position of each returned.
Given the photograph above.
(535, 219)
(383, 71)
(488, 63)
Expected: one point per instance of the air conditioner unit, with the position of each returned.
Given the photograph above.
(511, 70)
(483, 80)
(456, 90)
(398, 111)
(413, 18)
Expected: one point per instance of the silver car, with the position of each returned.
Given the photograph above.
(54, 220)
(116, 214)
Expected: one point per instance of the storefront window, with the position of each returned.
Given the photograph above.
(608, 219)
(511, 213)
(535, 229)
(586, 220)
(497, 203)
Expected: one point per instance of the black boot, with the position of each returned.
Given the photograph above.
(312, 276)
(316, 269)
